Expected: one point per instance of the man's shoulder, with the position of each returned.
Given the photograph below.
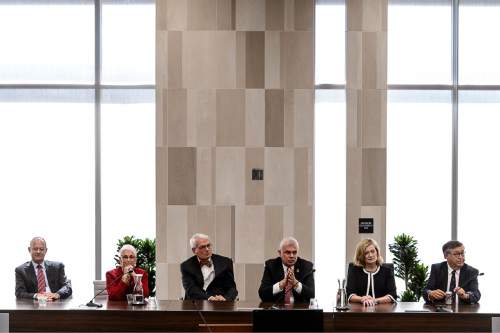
(189, 261)
(219, 258)
(304, 262)
(56, 264)
(273, 262)
(24, 266)
(439, 265)
(470, 269)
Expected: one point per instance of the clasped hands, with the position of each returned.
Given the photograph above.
(367, 300)
(216, 298)
(49, 296)
(438, 294)
(290, 277)
(126, 277)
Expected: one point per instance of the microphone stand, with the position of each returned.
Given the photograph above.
(91, 303)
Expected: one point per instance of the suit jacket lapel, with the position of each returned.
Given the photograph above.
(31, 274)
(197, 271)
(218, 267)
(444, 276)
(463, 275)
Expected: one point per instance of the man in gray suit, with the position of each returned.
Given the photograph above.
(41, 277)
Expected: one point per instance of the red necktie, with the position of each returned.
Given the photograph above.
(288, 292)
(41, 279)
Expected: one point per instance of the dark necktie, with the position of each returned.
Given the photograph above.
(40, 279)
(288, 292)
(453, 282)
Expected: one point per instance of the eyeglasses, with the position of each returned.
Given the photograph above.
(458, 254)
(203, 247)
(128, 257)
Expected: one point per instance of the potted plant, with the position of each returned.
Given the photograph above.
(146, 255)
(408, 267)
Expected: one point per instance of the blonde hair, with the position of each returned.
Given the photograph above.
(359, 256)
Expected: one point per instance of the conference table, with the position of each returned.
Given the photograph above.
(186, 316)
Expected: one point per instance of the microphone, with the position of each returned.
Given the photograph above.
(130, 270)
(99, 305)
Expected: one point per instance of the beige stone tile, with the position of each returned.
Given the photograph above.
(297, 60)
(304, 230)
(250, 15)
(241, 50)
(175, 290)
(174, 60)
(310, 176)
(201, 107)
(274, 230)
(301, 176)
(374, 15)
(161, 233)
(352, 231)
(177, 222)
(279, 176)
(304, 118)
(254, 189)
(373, 64)
(253, 276)
(160, 124)
(182, 176)
(239, 279)
(378, 213)
(209, 59)
(230, 178)
(162, 176)
(289, 15)
(250, 236)
(176, 14)
(230, 117)
(374, 118)
(354, 174)
(289, 118)
(161, 15)
(354, 108)
(203, 221)
(254, 60)
(273, 59)
(304, 15)
(161, 281)
(225, 15)
(274, 99)
(354, 14)
(354, 60)
(161, 70)
(255, 118)
(204, 179)
(374, 177)
(275, 15)
(201, 15)
(176, 117)
(224, 231)
(288, 220)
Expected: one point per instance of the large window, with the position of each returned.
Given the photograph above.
(453, 52)
(76, 131)
(330, 148)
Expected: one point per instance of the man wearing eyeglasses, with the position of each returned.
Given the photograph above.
(206, 275)
(120, 281)
(453, 275)
(41, 278)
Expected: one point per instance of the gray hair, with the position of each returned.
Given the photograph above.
(194, 239)
(40, 239)
(289, 241)
(129, 248)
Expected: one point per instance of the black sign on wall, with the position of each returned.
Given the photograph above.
(366, 225)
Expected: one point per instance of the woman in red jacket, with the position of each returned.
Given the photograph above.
(120, 281)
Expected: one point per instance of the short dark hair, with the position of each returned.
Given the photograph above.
(448, 246)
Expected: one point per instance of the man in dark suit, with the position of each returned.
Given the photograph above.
(453, 275)
(287, 274)
(41, 277)
(206, 275)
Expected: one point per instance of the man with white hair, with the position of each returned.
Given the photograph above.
(287, 278)
(206, 275)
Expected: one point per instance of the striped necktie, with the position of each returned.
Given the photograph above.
(40, 279)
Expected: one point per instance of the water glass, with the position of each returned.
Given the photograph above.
(313, 303)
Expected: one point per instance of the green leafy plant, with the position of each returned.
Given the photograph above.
(146, 257)
(408, 267)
